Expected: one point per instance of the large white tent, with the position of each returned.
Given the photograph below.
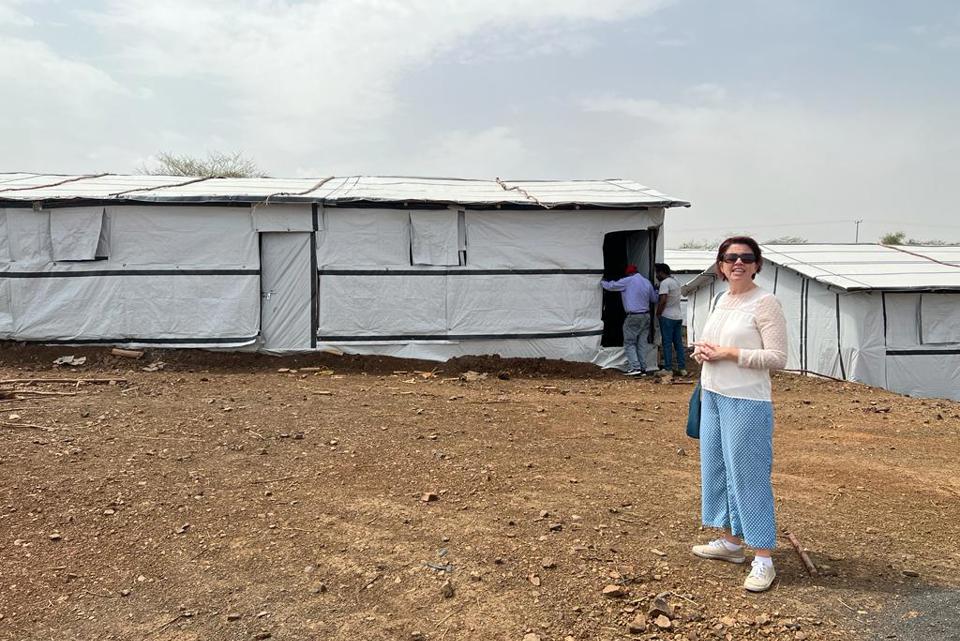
(887, 316)
(418, 267)
(687, 264)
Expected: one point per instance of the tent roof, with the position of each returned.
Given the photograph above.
(865, 267)
(688, 261)
(332, 190)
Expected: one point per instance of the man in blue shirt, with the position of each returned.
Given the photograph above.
(639, 298)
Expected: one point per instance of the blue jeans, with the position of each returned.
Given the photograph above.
(635, 330)
(671, 332)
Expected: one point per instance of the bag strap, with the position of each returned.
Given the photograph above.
(716, 299)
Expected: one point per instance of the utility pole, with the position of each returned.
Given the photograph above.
(856, 238)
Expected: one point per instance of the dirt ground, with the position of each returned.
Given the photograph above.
(222, 497)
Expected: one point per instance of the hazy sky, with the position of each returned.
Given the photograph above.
(774, 117)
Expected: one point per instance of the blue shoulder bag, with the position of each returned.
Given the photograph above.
(693, 413)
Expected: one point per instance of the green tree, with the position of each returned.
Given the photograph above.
(699, 244)
(786, 240)
(215, 165)
(932, 243)
(893, 238)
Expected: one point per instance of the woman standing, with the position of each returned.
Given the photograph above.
(743, 339)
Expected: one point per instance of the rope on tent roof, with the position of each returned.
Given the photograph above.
(814, 266)
(56, 184)
(186, 182)
(266, 202)
(527, 194)
(907, 251)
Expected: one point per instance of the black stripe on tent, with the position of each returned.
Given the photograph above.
(458, 337)
(800, 333)
(920, 319)
(922, 352)
(314, 308)
(883, 305)
(776, 277)
(215, 340)
(843, 370)
(454, 272)
(132, 272)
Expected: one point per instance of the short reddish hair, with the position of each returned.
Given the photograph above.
(738, 240)
(631, 269)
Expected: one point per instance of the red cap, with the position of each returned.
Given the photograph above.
(631, 269)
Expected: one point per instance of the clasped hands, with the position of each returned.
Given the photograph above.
(704, 352)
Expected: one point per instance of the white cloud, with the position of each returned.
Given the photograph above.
(303, 74)
(11, 16)
(32, 66)
(769, 162)
(491, 152)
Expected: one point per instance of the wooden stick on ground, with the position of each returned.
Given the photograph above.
(811, 568)
(26, 426)
(72, 381)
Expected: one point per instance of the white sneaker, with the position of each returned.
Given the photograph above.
(761, 577)
(718, 550)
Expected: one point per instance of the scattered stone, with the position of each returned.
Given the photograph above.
(556, 527)
(728, 621)
(531, 637)
(548, 564)
(260, 636)
(614, 591)
(638, 625)
(416, 635)
(663, 622)
(446, 590)
(534, 579)
(660, 607)
(763, 619)
(911, 573)
(428, 497)
(56, 537)
(124, 592)
(658, 552)
(183, 528)
(233, 616)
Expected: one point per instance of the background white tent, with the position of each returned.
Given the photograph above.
(887, 316)
(687, 264)
(417, 267)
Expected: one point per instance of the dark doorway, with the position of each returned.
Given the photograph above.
(621, 248)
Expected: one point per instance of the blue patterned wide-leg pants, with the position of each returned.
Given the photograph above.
(736, 457)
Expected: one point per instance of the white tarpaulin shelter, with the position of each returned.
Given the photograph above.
(887, 316)
(687, 264)
(418, 267)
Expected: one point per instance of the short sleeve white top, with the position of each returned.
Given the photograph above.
(671, 287)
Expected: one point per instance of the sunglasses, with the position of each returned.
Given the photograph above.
(748, 259)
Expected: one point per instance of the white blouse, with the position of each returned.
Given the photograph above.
(754, 322)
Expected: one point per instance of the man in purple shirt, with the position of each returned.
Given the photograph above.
(639, 298)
